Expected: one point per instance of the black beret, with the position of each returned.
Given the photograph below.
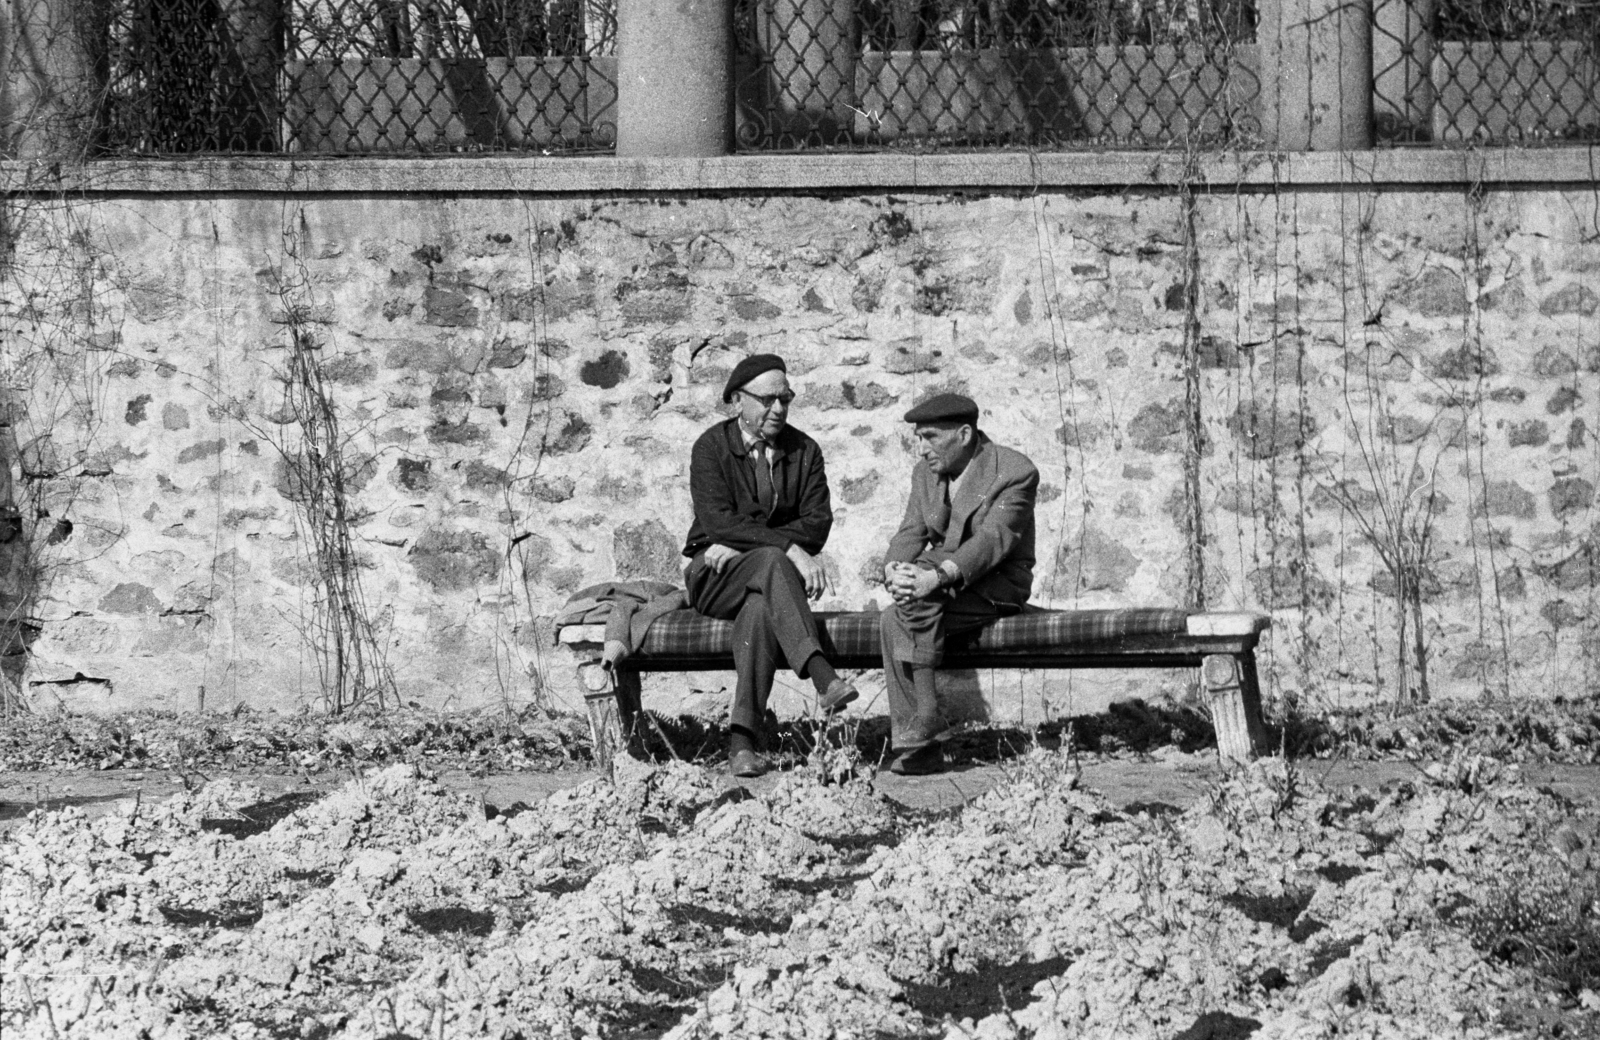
(944, 408)
(747, 369)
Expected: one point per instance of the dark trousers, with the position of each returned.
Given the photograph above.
(762, 593)
(913, 635)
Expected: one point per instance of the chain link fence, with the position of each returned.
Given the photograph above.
(340, 77)
(995, 73)
(359, 76)
(1460, 72)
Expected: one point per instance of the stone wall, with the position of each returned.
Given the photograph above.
(515, 383)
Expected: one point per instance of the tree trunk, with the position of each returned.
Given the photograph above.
(16, 575)
(1412, 651)
(1419, 645)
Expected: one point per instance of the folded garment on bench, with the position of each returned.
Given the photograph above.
(628, 608)
(686, 633)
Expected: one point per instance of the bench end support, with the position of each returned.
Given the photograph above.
(605, 729)
(612, 700)
(1234, 696)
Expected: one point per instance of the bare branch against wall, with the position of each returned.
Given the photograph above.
(322, 476)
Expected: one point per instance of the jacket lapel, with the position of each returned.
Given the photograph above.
(736, 448)
(974, 487)
(736, 439)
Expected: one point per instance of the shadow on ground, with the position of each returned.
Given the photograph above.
(20, 809)
(1571, 732)
(1128, 726)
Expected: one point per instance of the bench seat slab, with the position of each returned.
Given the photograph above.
(1221, 645)
(684, 633)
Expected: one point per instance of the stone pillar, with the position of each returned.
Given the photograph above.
(250, 115)
(1316, 74)
(1402, 64)
(48, 81)
(813, 45)
(674, 77)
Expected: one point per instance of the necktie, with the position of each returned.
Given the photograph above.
(758, 457)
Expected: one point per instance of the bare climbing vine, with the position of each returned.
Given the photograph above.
(1395, 502)
(55, 335)
(18, 563)
(322, 474)
(520, 660)
(1193, 426)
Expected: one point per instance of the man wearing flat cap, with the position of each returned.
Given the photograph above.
(761, 516)
(962, 557)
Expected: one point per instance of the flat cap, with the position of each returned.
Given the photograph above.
(944, 408)
(748, 368)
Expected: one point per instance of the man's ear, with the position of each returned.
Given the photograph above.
(969, 436)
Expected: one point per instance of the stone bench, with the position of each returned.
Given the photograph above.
(1221, 645)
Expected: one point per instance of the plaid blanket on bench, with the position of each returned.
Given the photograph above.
(684, 633)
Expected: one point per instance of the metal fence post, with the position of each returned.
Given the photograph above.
(674, 77)
(1316, 74)
(48, 87)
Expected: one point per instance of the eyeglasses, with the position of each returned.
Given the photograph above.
(768, 400)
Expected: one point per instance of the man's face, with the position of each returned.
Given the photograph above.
(755, 413)
(945, 447)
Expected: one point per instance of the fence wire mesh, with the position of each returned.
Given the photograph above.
(424, 76)
(360, 76)
(986, 73)
(1460, 72)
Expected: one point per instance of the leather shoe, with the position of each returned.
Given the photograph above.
(840, 692)
(929, 758)
(748, 764)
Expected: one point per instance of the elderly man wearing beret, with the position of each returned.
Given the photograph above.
(761, 516)
(962, 557)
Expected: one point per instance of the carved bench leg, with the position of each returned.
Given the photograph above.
(630, 696)
(613, 703)
(611, 700)
(605, 728)
(1251, 686)
(1234, 696)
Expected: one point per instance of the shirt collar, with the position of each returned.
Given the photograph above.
(960, 480)
(750, 439)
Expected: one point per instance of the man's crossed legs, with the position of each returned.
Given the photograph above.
(762, 593)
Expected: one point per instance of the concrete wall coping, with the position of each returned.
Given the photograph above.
(806, 173)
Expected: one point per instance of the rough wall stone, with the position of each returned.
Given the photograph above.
(509, 435)
(1094, 562)
(453, 560)
(647, 550)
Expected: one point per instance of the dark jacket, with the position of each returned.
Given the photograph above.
(722, 485)
(988, 529)
(628, 609)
